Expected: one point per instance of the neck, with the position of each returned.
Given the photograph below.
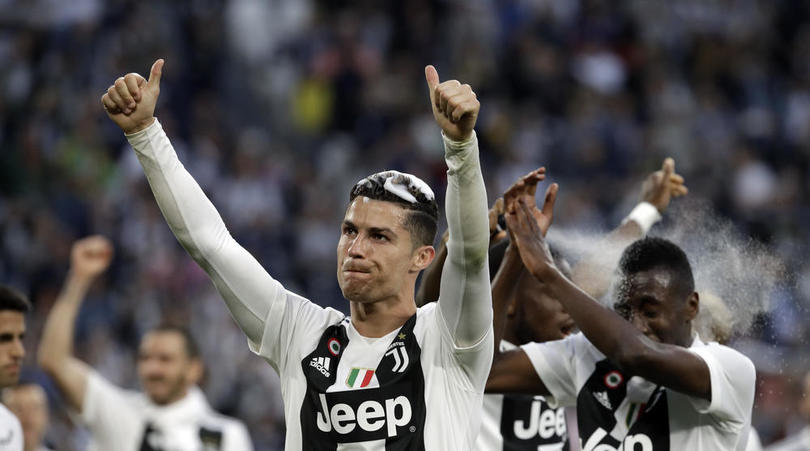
(377, 319)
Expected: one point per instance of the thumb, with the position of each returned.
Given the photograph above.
(155, 74)
(668, 167)
(432, 78)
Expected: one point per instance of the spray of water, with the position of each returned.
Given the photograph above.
(734, 274)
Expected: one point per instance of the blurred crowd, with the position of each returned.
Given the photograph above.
(278, 107)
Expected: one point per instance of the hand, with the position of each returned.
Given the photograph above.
(524, 190)
(526, 234)
(662, 185)
(90, 256)
(130, 101)
(495, 232)
(455, 106)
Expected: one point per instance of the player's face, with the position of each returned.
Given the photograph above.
(12, 332)
(650, 300)
(29, 404)
(538, 317)
(375, 254)
(164, 367)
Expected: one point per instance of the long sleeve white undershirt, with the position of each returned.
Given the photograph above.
(249, 291)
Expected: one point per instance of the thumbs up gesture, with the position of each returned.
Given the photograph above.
(455, 106)
(130, 101)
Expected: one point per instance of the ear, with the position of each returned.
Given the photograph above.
(421, 257)
(196, 371)
(692, 306)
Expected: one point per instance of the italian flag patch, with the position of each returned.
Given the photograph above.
(359, 377)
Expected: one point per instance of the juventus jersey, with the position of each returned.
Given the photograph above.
(521, 423)
(11, 437)
(409, 390)
(615, 412)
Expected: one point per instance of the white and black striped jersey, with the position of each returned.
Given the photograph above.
(521, 422)
(615, 412)
(419, 387)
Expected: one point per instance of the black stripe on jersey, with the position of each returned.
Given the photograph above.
(597, 403)
(528, 422)
(394, 411)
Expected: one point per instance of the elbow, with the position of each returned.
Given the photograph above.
(46, 361)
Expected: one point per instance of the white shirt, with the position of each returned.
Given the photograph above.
(521, 422)
(11, 437)
(613, 411)
(436, 373)
(118, 420)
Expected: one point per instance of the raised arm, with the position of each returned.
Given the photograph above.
(247, 288)
(464, 299)
(592, 274)
(89, 258)
(622, 343)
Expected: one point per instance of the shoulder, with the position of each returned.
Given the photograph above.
(10, 428)
(726, 358)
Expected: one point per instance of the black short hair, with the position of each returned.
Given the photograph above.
(192, 349)
(11, 299)
(423, 215)
(658, 253)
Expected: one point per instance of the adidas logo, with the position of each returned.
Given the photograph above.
(603, 399)
(321, 364)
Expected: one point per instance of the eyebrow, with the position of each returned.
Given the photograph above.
(370, 229)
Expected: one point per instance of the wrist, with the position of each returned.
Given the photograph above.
(645, 215)
(140, 126)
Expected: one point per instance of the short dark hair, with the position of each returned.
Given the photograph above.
(658, 253)
(11, 299)
(423, 215)
(192, 349)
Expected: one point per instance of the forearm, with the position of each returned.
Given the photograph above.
(465, 290)
(247, 289)
(56, 344)
(55, 353)
(614, 336)
(503, 286)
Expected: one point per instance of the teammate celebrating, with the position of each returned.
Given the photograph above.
(30, 404)
(643, 381)
(13, 307)
(172, 413)
(391, 376)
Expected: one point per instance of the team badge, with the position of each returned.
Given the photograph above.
(334, 346)
(359, 377)
(613, 379)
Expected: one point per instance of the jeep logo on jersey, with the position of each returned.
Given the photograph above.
(632, 442)
(549, 423)
(369, 415)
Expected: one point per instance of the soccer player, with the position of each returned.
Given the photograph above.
(29, 403)
(390, 376)
(641, 380)
(13, 307)
(171, 414)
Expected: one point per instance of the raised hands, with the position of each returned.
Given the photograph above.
(90, 257)
(130, 101)
(527, 224)
(662, 185)
(455, 106)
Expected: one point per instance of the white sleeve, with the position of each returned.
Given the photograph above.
(555, 364)
(465, 298)
(249, 291)
(101, 398)
(733, 379)
(238, 438)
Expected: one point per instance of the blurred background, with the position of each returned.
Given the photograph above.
(278, 107)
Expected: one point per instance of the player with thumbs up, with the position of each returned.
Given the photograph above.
(390, 376)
